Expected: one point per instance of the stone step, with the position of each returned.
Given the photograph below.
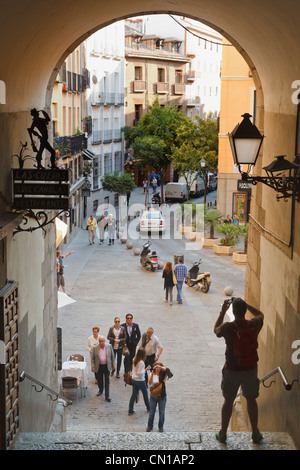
(137, 441)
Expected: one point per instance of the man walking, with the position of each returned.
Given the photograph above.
(181, 274)
(91, 226)
(103, 362)
(153, 348)
(241, 358)
(133, 335)
(60, 269)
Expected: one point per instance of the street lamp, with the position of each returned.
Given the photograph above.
(282, 175)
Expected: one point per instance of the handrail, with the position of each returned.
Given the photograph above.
(24, 375)
(286, 384)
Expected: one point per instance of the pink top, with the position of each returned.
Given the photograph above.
(102, 355)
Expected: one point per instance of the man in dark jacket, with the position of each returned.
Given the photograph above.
(241, 358)
(133, 336)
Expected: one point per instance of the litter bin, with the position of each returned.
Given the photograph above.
(178, 258)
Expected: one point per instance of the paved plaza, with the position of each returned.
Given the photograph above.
(108, 281)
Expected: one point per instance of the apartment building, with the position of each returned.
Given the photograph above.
(155, 67)
(105, 107)
(203, 46)
(68, 110)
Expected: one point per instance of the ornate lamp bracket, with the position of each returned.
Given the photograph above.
(41, 218)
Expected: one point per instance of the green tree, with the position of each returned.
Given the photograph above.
(195, 141)
(153, 138)
(119, 183)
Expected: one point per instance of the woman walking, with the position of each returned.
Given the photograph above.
(138, 380)
(158, 395)
(169, 282)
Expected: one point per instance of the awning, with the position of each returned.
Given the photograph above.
(87, 154)
(61, 230)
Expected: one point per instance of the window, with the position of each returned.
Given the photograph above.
(137, 113)
(138, 73)
(178, 76)
(161, 75)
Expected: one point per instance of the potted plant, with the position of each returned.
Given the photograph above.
(226, 245)
(211, 219)
(240, 257)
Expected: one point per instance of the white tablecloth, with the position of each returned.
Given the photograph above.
(75, 369)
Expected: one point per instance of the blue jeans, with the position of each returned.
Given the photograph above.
(161, 402)
(118, 353)
(179, 290)
(136, 386)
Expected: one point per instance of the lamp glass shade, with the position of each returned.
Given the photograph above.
(245, 141)
(247, 151)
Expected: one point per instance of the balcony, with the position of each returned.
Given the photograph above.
(139, 86)
(71, 145)
(179, 89)
(162, 88)
(190, 76)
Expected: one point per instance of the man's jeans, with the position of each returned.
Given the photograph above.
(161, 402)
(179, 291)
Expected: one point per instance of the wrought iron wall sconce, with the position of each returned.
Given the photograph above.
(41, 218)
(282, 175)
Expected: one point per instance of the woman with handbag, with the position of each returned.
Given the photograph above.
(158, 395)
(138, 381)
(170, 281)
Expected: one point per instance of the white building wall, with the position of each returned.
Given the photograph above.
(105, 103)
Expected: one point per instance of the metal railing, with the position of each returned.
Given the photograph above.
(278, 370)
(52, 392)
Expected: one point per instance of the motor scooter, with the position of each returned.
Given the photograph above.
(156, 199)
(148, 259)
(199, 280)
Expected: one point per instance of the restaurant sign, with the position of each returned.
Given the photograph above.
(41, 189)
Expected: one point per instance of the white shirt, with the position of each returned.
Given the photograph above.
(138, 371)
(152, 346)
(92, 342)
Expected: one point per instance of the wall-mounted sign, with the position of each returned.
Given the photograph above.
(244, 185)
(41, 189)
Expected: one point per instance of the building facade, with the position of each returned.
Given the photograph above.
(105, 107)
(69, 140)
(238, 96)
(154, 69)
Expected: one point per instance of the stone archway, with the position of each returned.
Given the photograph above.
(42, 34)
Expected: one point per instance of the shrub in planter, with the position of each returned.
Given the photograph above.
(230, 232)
(212, 219)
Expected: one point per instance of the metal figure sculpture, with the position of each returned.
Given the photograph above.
(40, 123)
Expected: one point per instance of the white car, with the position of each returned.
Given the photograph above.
(152, 220)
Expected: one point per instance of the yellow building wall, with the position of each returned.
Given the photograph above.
(237, 98)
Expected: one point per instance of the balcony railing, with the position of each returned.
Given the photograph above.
(161, 87)
(107, 99)
(179, 89)
(190, 76)
(71, 145)
(139, 86)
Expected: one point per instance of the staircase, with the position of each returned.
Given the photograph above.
(136, 441)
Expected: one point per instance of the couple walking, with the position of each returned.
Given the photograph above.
(157, 379)
(173, 278)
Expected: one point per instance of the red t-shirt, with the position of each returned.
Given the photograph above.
(227, 331)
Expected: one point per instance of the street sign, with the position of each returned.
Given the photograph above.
(41, 189)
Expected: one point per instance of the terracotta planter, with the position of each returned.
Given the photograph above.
(239, 257)
(222, 250)
(209, 242)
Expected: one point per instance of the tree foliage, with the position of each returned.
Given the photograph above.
(119, 183)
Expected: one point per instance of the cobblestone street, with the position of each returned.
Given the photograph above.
(108, 281)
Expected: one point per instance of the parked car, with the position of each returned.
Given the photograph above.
(212, 182)
(176, 191)
(152, 220)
